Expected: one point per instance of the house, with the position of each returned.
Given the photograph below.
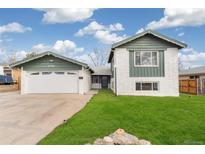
(49, 72)
(7, 70)
(145, 64)
(101, 77)
(1, 70)
(197, 74)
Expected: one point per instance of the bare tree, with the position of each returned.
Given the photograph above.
(98, 57)
(31, 54)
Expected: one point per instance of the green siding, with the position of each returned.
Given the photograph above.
(148, 42)
(146, 71)
(50, 63)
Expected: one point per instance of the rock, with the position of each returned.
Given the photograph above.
(123, 138)
(144, 142)
(120, 137)
(119, 131)
(108, 140)
(99, 141)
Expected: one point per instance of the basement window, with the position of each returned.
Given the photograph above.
(147, 86)
(59, 73)
(35, 73)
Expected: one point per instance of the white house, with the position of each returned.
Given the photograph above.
(1, 70)
(145, 64)
(52, 73)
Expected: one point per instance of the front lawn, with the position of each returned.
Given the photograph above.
(161, 120)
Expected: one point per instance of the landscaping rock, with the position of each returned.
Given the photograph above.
(99, 141)
(108, 140)
(144, 142)
(120, 137)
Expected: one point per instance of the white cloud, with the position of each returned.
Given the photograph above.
(5, 56)
(108, 38)
(84, 58)
(66, 47)
(66, 15)
(14, 27)
(181, 34)
(179, 17)
(189, 57)
(140, 30)
(116, 27)
(104, 34)
(21, 54)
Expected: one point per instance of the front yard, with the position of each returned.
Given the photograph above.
(161, 120)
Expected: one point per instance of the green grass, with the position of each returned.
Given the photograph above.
(161, 120)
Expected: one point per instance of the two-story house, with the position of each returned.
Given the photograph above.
(145, 64)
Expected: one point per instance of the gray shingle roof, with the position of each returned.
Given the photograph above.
(192, 71)
(102, 70)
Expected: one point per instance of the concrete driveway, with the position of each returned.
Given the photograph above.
(25, 119)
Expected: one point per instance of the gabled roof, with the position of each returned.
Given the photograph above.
(163, 37)
(156, 34)
(47, 53)
(193, 71)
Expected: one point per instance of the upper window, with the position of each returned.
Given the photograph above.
(146, 58)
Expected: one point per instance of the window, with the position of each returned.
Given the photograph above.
(147, 86)
(95, 79)
(35, 73)
(146, 58)
(155, 86)
(59, 73)
(46, 73)
(138, 86)
(70, 73)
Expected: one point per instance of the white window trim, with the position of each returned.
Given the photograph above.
(140, 51)
(147, 82)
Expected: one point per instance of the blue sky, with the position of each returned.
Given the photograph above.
(75, 33)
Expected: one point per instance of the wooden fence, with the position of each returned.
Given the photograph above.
(188, 86)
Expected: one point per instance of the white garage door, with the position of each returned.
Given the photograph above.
(51, 82)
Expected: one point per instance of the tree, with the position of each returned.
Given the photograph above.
(98, 57)
(31, 54)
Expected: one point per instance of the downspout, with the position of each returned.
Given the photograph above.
(115, 81)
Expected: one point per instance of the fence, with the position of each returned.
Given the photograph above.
(188, 86)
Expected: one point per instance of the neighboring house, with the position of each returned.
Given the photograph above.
(101, 77)
(1, 70)
(198, 74)
(52, 73)
(145, 64)
(7, 70)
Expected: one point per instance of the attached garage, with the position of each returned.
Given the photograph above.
(52, 73)
(52, 82)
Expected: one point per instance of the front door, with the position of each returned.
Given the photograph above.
(104, 82)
